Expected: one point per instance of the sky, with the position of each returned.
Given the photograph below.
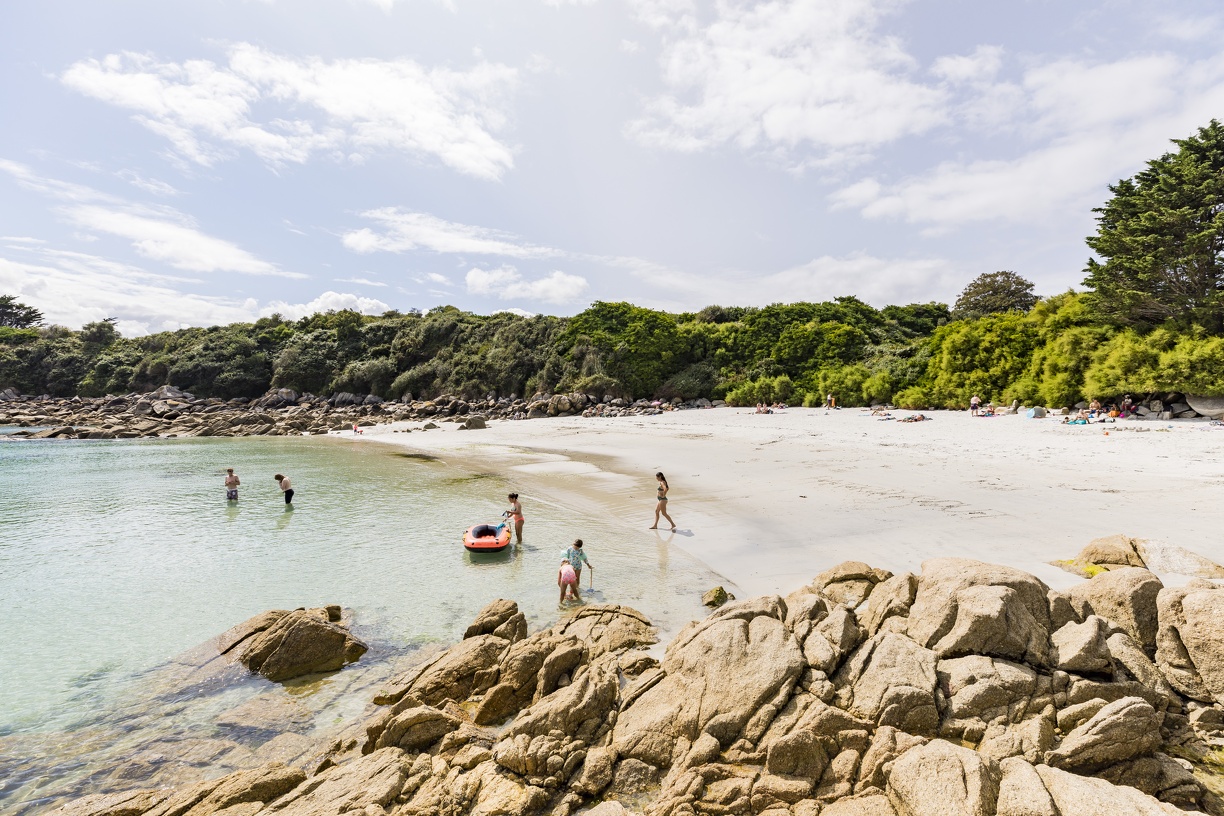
(176, 164)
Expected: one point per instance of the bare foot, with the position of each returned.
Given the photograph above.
(652, 528)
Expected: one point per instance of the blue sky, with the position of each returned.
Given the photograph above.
(171, 164)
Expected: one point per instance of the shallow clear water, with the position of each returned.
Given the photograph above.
(115, 556)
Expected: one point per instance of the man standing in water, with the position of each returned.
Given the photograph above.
(231, 485)
(285, 487)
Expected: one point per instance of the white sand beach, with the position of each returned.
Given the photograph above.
(768, 501)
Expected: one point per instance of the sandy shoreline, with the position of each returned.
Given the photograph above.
(768, 501)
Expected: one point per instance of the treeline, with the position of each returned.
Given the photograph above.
(1152, 321)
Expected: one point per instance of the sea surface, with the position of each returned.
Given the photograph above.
(116, 556)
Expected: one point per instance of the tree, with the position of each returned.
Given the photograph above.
(994, 293)
(100, 334)
(1161, 238)
(18, 315)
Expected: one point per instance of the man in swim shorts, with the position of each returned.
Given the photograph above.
(231, 485)
(285, 486)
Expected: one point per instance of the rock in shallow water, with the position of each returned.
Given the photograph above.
(283, 645)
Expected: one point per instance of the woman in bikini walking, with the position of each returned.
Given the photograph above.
(661, 507)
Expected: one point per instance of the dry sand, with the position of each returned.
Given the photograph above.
(768, 501)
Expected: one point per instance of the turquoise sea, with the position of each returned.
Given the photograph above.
(116, 556)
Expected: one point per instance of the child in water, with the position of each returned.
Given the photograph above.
(567, 579)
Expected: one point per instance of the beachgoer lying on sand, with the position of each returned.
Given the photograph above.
(567, 579)
(879, 410)
(916, 418)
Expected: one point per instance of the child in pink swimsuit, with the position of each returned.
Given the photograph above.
(567, 579)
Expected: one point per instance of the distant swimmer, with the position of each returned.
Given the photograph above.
(285, 487)
(661, 505)
(231, 485)
(515, 514)
(567, 579)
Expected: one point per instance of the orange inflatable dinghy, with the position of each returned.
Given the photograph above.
(485, 538)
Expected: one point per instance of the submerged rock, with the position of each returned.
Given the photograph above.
(283, 645)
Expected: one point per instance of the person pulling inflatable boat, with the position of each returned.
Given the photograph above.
(486, 538)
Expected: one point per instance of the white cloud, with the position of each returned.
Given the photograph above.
(362, 281)
(161, 234)
(1085, 125)
(149, 185)
(877, 280)
(630, 46)
(438, 278)
(143, 302)
(788, 75)
(404, 231)
(517, 311)
(328, 301)
(506, 283)
(286, 109)
(980, 66)
(178, 244)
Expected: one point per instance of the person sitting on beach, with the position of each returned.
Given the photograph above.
(567, 579)
(1094, 407)
(975, 405)
(578, 558)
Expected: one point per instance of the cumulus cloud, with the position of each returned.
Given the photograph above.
(1085, 125)
(786, 75)
(404, 231)
(326, 302)
(142, 302)
(288, 109)
(507, 283)
(877, 280)
(160, 234)
(362, 281)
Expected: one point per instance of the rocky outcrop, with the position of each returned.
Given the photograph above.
(282, 645)
(170, 412)
(968, 690)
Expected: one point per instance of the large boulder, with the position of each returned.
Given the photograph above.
(1005, 708)
(993, 620)
(467, 667)
(1080, 647)
(1112, 552)
(1085, 796)
(942, 779)
(1126, 596)
(891, 680)
(935, 612)
(892, 597)
(1190, 641)
(737, 665)
(282, 645)
(850, 582)
(495, 616)
(1122, 730)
